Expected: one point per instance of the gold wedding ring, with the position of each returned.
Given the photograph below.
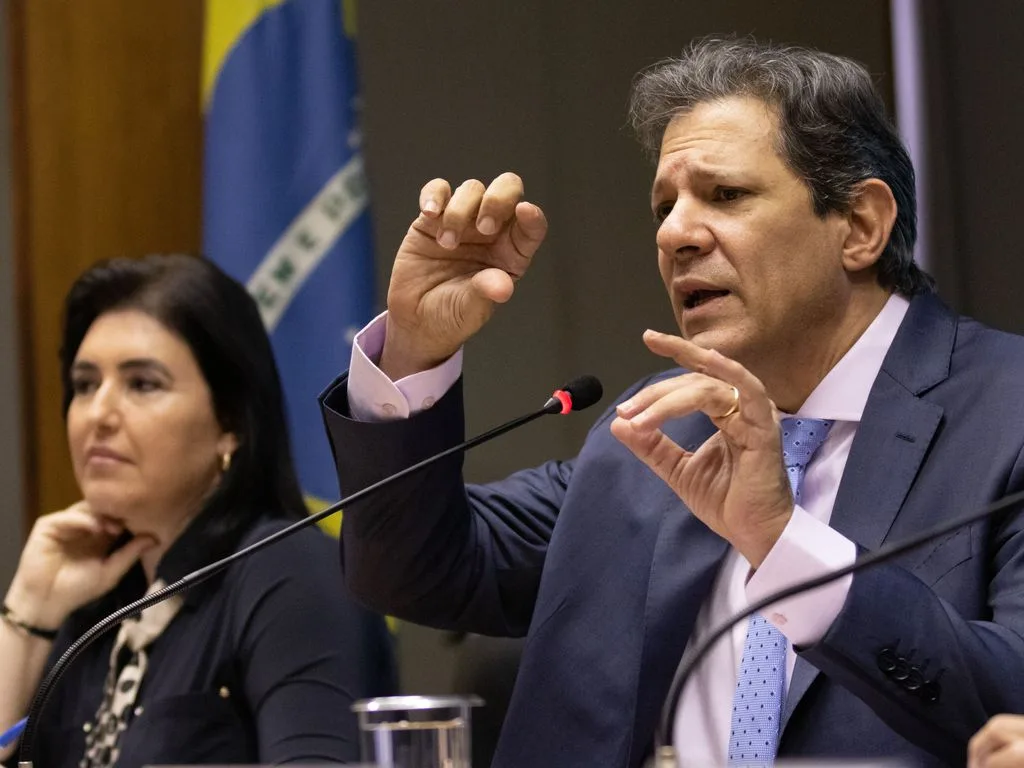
(735, 404)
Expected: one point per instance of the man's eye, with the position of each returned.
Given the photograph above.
(728, 194)
(661, 211)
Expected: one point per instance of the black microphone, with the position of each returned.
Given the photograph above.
(582, 392)
(664, 747)
(578, 394)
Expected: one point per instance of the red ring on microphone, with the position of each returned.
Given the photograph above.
(565, 399)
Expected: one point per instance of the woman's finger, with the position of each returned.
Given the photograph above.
(71, 524)
(117, 564)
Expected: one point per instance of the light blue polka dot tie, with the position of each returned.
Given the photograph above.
(761, 684)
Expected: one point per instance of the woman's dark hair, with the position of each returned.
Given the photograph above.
(221, 324)
(833, 128)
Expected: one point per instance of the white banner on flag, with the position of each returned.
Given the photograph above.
(292, 259)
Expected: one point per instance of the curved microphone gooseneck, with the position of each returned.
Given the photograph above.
(664, 747)
(578, 394)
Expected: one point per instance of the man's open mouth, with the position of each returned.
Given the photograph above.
(694, 299)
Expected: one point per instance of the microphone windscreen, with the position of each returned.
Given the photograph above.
(585, 391)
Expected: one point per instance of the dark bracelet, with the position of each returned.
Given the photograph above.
(18, 624)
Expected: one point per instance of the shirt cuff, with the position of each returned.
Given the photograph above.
(807, 548)
(372, 396)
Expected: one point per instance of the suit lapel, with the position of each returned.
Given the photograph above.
(686, 557)
(686, 549)
(892, 440)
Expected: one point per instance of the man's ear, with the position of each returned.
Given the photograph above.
(871, 219)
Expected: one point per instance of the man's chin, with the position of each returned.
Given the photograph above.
(725, 341)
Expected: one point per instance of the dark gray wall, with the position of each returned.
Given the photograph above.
(466, 90)
(974, 73)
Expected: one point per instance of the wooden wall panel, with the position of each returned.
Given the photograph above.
(107, 147)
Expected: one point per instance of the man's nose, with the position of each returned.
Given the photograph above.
(684, 231)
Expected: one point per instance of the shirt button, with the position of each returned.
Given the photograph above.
(87, 727)
(224, 692)
(389, 409)
(139, 711)
(428, 401)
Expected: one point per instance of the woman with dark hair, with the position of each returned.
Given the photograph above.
(177, 436)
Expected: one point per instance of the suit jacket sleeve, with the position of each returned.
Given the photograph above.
(428, 548)
(932, 675)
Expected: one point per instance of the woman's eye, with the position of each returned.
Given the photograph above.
(144, 385)
(82, 386)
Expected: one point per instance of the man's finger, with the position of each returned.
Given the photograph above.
(460, 213)
(499, 203)
(979, 747)
(654, 392)
(685, 353)
(754, 401)
(495, 285)
(434, 197)
(699, 393)
(526, 234)
(655, 449)
(983, 743)
(995, 735)
(1009, 756)
(1007, 726)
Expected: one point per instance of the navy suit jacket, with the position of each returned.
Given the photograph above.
(604, 569)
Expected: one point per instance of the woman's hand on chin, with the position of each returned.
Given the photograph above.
(67, 563)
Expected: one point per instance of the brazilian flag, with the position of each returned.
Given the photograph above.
(285, 201)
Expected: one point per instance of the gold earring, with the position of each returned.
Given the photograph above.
(225, 461)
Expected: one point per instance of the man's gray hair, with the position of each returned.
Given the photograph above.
(833, 129)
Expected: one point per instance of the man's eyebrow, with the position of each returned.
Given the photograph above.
(701, 173)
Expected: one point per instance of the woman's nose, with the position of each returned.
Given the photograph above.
(105, 409)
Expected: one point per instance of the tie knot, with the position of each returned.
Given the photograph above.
(801, 438)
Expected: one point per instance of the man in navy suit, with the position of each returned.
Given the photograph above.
(826, 402)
